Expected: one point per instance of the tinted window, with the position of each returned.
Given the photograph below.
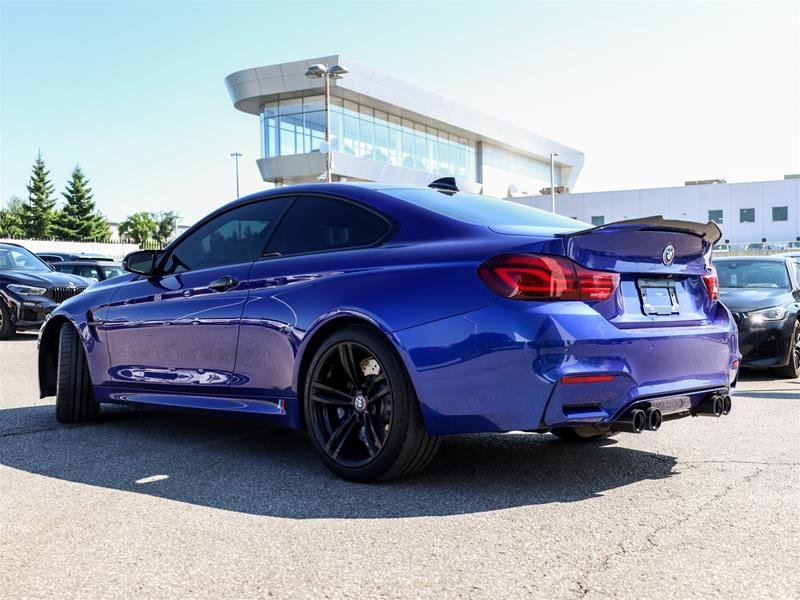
(236, 236)
(63, 268)
(598, 220)
(715, 216)
(483, 210)
(19, 259)
(113, 272)
(780, 213)
(89, 271)
(321, 224)
(747, 215)
(752, 274)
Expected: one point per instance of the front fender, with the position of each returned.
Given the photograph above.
(85, 312)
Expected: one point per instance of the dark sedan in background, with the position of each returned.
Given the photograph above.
(98, 271)
(30, 289)
(763, 293)
(56, 257)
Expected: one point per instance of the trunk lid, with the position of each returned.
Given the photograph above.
(641, 246)
(661, 263)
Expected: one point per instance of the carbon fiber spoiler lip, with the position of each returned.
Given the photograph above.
(708, 231)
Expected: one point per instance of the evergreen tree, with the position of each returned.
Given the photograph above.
(138, 227)
(37, 214)
(166, 224)
(79, 220)
(11, 218)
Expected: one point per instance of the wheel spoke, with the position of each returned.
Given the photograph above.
(325, 394)
(376, 381)
(349, 363)
(371, 440)
(339, 436)
(380, 394)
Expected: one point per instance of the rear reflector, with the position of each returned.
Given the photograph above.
(587, 378)
(539, 277)
(712, 283)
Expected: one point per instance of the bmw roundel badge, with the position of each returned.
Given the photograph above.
(668, 255)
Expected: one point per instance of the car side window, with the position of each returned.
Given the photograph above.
(89, 271)
(236, 236)
(63, 268)
(316, 224)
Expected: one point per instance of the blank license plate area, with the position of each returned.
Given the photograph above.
(659, 297)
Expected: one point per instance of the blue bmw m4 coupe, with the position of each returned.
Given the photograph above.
(380, 318)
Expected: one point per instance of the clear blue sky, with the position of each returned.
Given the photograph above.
(653, 93)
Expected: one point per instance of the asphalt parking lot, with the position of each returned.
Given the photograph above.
(157, 505)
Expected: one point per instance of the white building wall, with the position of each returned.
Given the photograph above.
(692, 203)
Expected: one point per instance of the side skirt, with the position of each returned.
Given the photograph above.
(279, 411)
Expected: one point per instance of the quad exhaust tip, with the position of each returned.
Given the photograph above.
(715, 406)
(634, 421)
(654, 419)
(637, 420)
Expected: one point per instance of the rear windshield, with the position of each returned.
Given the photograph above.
(484, 210)
(752, 274)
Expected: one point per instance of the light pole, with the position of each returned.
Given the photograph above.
(553, 181)
(236, 156)
(335, 72)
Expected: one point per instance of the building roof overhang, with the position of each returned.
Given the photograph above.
(250, 89)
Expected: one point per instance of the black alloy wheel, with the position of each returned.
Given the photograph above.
(351, 405)
(361, 410)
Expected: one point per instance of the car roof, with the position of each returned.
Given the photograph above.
(96, 263)
(14, 245)
(769, 258)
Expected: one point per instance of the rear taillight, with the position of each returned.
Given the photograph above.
(537, 277)
(712, 283)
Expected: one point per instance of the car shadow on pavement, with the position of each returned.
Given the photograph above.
(253, 469)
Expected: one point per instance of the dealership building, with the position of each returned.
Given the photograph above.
(388, 130)
(761, 211)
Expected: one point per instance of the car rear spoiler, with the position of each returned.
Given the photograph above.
(708, 231)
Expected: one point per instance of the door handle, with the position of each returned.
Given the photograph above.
(223, 284)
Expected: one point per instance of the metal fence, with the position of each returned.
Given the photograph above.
(148, 245)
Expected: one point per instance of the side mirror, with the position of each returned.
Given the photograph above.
(142, 262)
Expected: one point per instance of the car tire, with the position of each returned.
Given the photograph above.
(361, 411)
(6, 327)
(74, 396)
(792, 370)
(575, 434)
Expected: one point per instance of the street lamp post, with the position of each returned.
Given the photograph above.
(553, 181)
(236, 156)
(335, 72)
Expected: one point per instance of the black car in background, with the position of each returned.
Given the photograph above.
(98, 271)
(30, 289)
(55, 257)
(763, 293)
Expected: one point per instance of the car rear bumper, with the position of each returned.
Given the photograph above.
(503, 367)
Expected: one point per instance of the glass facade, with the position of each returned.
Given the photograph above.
(297, 126)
